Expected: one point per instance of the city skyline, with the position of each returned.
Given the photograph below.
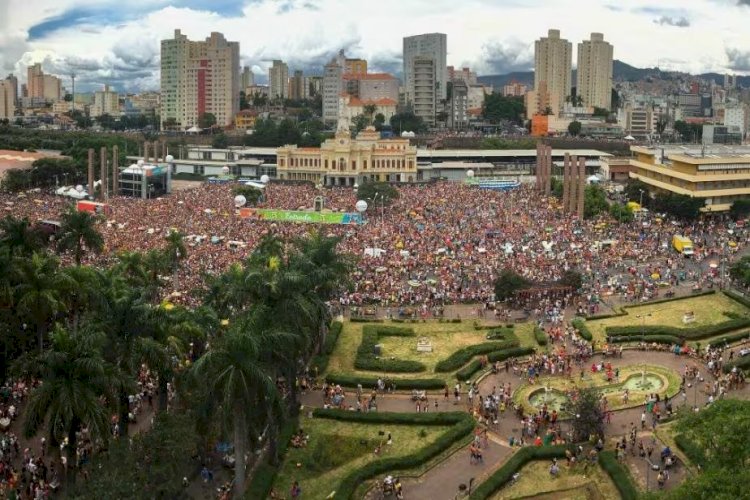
(110, 43)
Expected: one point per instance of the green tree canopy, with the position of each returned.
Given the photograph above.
(78, 232)
(572, 278)
(508, 283)
(740, 208)
(220, 141)
(588, 417)
(206, 120)
(407, 122)
(385, 193)
(574, 128)
(498, 108)
(678, 205)
(594, 201)
(740, 270)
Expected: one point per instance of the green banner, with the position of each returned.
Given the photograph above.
(307, 217)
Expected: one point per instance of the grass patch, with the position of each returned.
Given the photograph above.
(570, 483)
(463, 356)
(338, 445)
(709, 310)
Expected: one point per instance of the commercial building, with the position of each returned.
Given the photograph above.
(245, 119)
(314, 85)
(594, 75)
(278, 80)
(106, 102)
(13, 81)
(718, 175)
(333, 86)
(552, 71)
(721, 134)
(350, 107)
(425, 63)
(346, 161)
(61, 107)
(199, 77)
(145, 101)
(737, 116)
(7, 101)
(638, 122)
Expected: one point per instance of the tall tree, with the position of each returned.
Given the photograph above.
(74, 394)
(175, 252)
(19, 236)
(78, 232)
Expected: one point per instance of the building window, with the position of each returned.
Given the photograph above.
(354, 164)
(364, 164)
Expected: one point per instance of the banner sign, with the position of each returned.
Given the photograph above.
(301, 216)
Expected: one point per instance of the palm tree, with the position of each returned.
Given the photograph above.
(76, 378)
(242, 382)
(41, 291)
(85, 293)
(78, 229)
(19, 236)
(175, 252)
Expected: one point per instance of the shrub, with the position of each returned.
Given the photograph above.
(692, 450)
(615, 314)
(357, 319)
(659, 339)
(463, 356)
(728, 339)
(367, 360)
(462, 425)
(540, 336)
(583, 330)
(500, 333)
(469, 370)
(694, 333)
(265, 473)
(349, 380)
(504, 474)
(742, 363)
(737, 297)
(620, 476)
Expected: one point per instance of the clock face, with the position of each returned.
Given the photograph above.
(342, 141)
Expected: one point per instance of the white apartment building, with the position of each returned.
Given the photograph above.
(333, 86)
(736, 116)
(199, 77)
(594, 75)
(423, 81)
(106, 102)
(552, 70)
(7, 101)
(432, 46)
(278, 80)
(248, 78)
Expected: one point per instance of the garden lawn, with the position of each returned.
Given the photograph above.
(570, 484)
(525, 334)
(446, 339)
(336, 448)
(708, 310)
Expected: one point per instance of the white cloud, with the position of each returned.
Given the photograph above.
(490, 35)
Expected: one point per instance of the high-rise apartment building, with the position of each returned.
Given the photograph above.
(106, 102)
(297, 90)
(465, 75)
(552, 70)
(332, 88)
(278, 80)
(594, 76)
(41, 86)
(314, 85)
(356, 66)
(248, 78)
(199, 77)
(418, 50)
(423, 94)
(7, 100)
(13, 80)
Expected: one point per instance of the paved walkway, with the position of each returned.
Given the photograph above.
(442, 481)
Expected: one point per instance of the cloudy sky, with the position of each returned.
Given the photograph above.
(117, 42)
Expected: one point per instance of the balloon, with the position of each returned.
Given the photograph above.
(239, 201)
(79, 188)
(169, 158)
(361, 206)
(225, 170)
(470, 173)
(264, 179)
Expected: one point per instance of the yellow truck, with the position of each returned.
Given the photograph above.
(682, 244)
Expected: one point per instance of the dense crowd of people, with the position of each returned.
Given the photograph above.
(440, 243)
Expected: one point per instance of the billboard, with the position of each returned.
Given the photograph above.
(301, 216)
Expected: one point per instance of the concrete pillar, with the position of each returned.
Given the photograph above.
(91, 172)
(145, 152)
(539, 167)
(115, 170)
(103, 173)
(581, 185)
(157, 155)
(547, 170)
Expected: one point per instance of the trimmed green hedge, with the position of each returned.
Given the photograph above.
(694, 333)
(659, 339)
(321, 360)
(501, 333)
(366, 359)
(347, 380)
(462, 425)
(265, 473)
(583, 330)
(694, 452)
(505, 473)
(742, 363)
(540, 336)
(742, 300)
(357, 319)
(615, 314)
(469, 370)
(619, 474)
(728, 339)
(463, 356)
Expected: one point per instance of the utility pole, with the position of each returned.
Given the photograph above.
(73, 96)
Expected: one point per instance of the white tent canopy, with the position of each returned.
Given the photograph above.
(193, 130)
(629, 138)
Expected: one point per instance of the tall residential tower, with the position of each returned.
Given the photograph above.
(552, 70)
(425, 61)
(278, 80)
(199, 78)
(594, 77)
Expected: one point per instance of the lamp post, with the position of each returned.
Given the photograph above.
(643, 323)
(641, 200)
(361, 206)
